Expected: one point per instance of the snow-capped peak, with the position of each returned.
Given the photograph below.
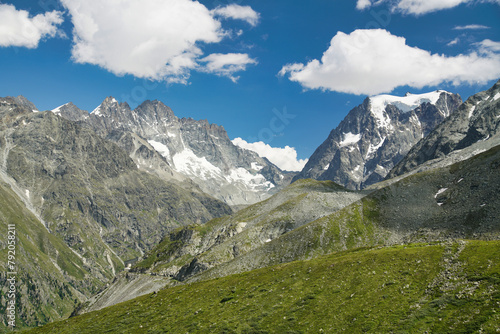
(57, 110)
(108, 100)
(405, 103)
(97, 111)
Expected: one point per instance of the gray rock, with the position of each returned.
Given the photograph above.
(189, 150)
(375, 136)
(476, 120)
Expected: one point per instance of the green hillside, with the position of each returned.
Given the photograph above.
(223, 239)
(451, 287)
(460, 201)
(51, 278)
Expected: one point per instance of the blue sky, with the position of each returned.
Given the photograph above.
(255, 67)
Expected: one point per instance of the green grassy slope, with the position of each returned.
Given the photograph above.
(48, 271)
(452, 287)
(99, 207)
(222, 239)
(459, 201)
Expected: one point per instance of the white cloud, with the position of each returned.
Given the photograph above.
(363, 4)
(17, 28)
(454, 42)
(285, 158)
(471, 27)
(488, 46)
(245, 13)
(227, 64)
(374, 61)
(418, 7)
(154, 39)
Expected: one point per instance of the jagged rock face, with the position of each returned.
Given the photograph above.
(71, 112)
(24, 102)
(81, 207)
(201, 151)
(88, 191)
(375, 136)
(476, 120)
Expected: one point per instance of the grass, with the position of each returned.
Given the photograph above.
(399, 289)
(45, 293)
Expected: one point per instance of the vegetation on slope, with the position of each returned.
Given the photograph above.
(49, 273)
(222, 239)
(451, 287)
(459, 201)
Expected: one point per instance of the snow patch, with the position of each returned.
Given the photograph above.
(471, 111)
(256, 166)
(253, 182)
(440, 191)
(349, 139)
(57, 110)
(496, 97)
(326, 167)
(374, 148)
(406, 103)
(160, 148)
(97, 112)
(188, 163)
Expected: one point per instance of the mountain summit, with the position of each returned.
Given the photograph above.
(472, 129)
(376, 135)
(194, 149)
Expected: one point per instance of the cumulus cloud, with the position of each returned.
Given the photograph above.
(488, 46)
(285, 158)
(154, 39)
(375, 61)
(227, 64)
(17, 28)
(233, 11)
(471, 27)
(418, 7)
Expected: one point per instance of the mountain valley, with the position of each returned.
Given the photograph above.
(137, 221)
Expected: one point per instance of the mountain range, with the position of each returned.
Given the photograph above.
(88, 195)
(196, 150)
(395, 216)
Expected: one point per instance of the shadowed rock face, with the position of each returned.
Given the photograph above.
(93, 208)
(476, 120)
(375, 136)
(186, 150)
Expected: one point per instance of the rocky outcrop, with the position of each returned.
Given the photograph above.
(194, 249)
(94, 207)
(477, 120)
(375, 136)
(189, 150)
(71, 112)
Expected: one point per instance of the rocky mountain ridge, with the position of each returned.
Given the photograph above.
(475, 124)
(376, 135)
(193, 149)
(88, 199)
